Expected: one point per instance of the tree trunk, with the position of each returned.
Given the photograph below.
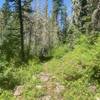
(21, 30)
(46, 8)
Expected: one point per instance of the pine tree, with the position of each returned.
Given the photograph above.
(6, 11)
(21, 30)
(56, 8)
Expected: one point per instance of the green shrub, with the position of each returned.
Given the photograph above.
(60, 51)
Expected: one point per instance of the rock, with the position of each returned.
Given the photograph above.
(47, 97)
(18, 90)
(44, 77)
(92, 88)
(59, 88)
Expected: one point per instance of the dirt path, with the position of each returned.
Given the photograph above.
(53, 89)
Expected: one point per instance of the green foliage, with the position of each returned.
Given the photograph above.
(10, 77)
(6, 95)
(78, 70)
(11, 39)
(60, 51)
(75, 64)
(78, 90)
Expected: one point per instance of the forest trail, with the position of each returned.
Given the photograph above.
(53, 89)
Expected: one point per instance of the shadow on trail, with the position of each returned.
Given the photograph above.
(45, 59)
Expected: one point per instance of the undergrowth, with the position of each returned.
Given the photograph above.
(78, 70)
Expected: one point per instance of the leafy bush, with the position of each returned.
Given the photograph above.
(60, 51)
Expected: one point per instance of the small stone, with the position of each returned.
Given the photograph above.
(92, 88)
(48, 97)
(59, 88)
(44, 77)
(18, 90)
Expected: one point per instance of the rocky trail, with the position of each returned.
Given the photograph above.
(53, 89)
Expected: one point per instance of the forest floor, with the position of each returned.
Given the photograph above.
(69, 75)
(52, 89)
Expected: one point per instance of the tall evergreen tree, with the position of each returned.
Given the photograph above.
(6, 11)
(21, 29)
(56, 8)
(64, 22)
